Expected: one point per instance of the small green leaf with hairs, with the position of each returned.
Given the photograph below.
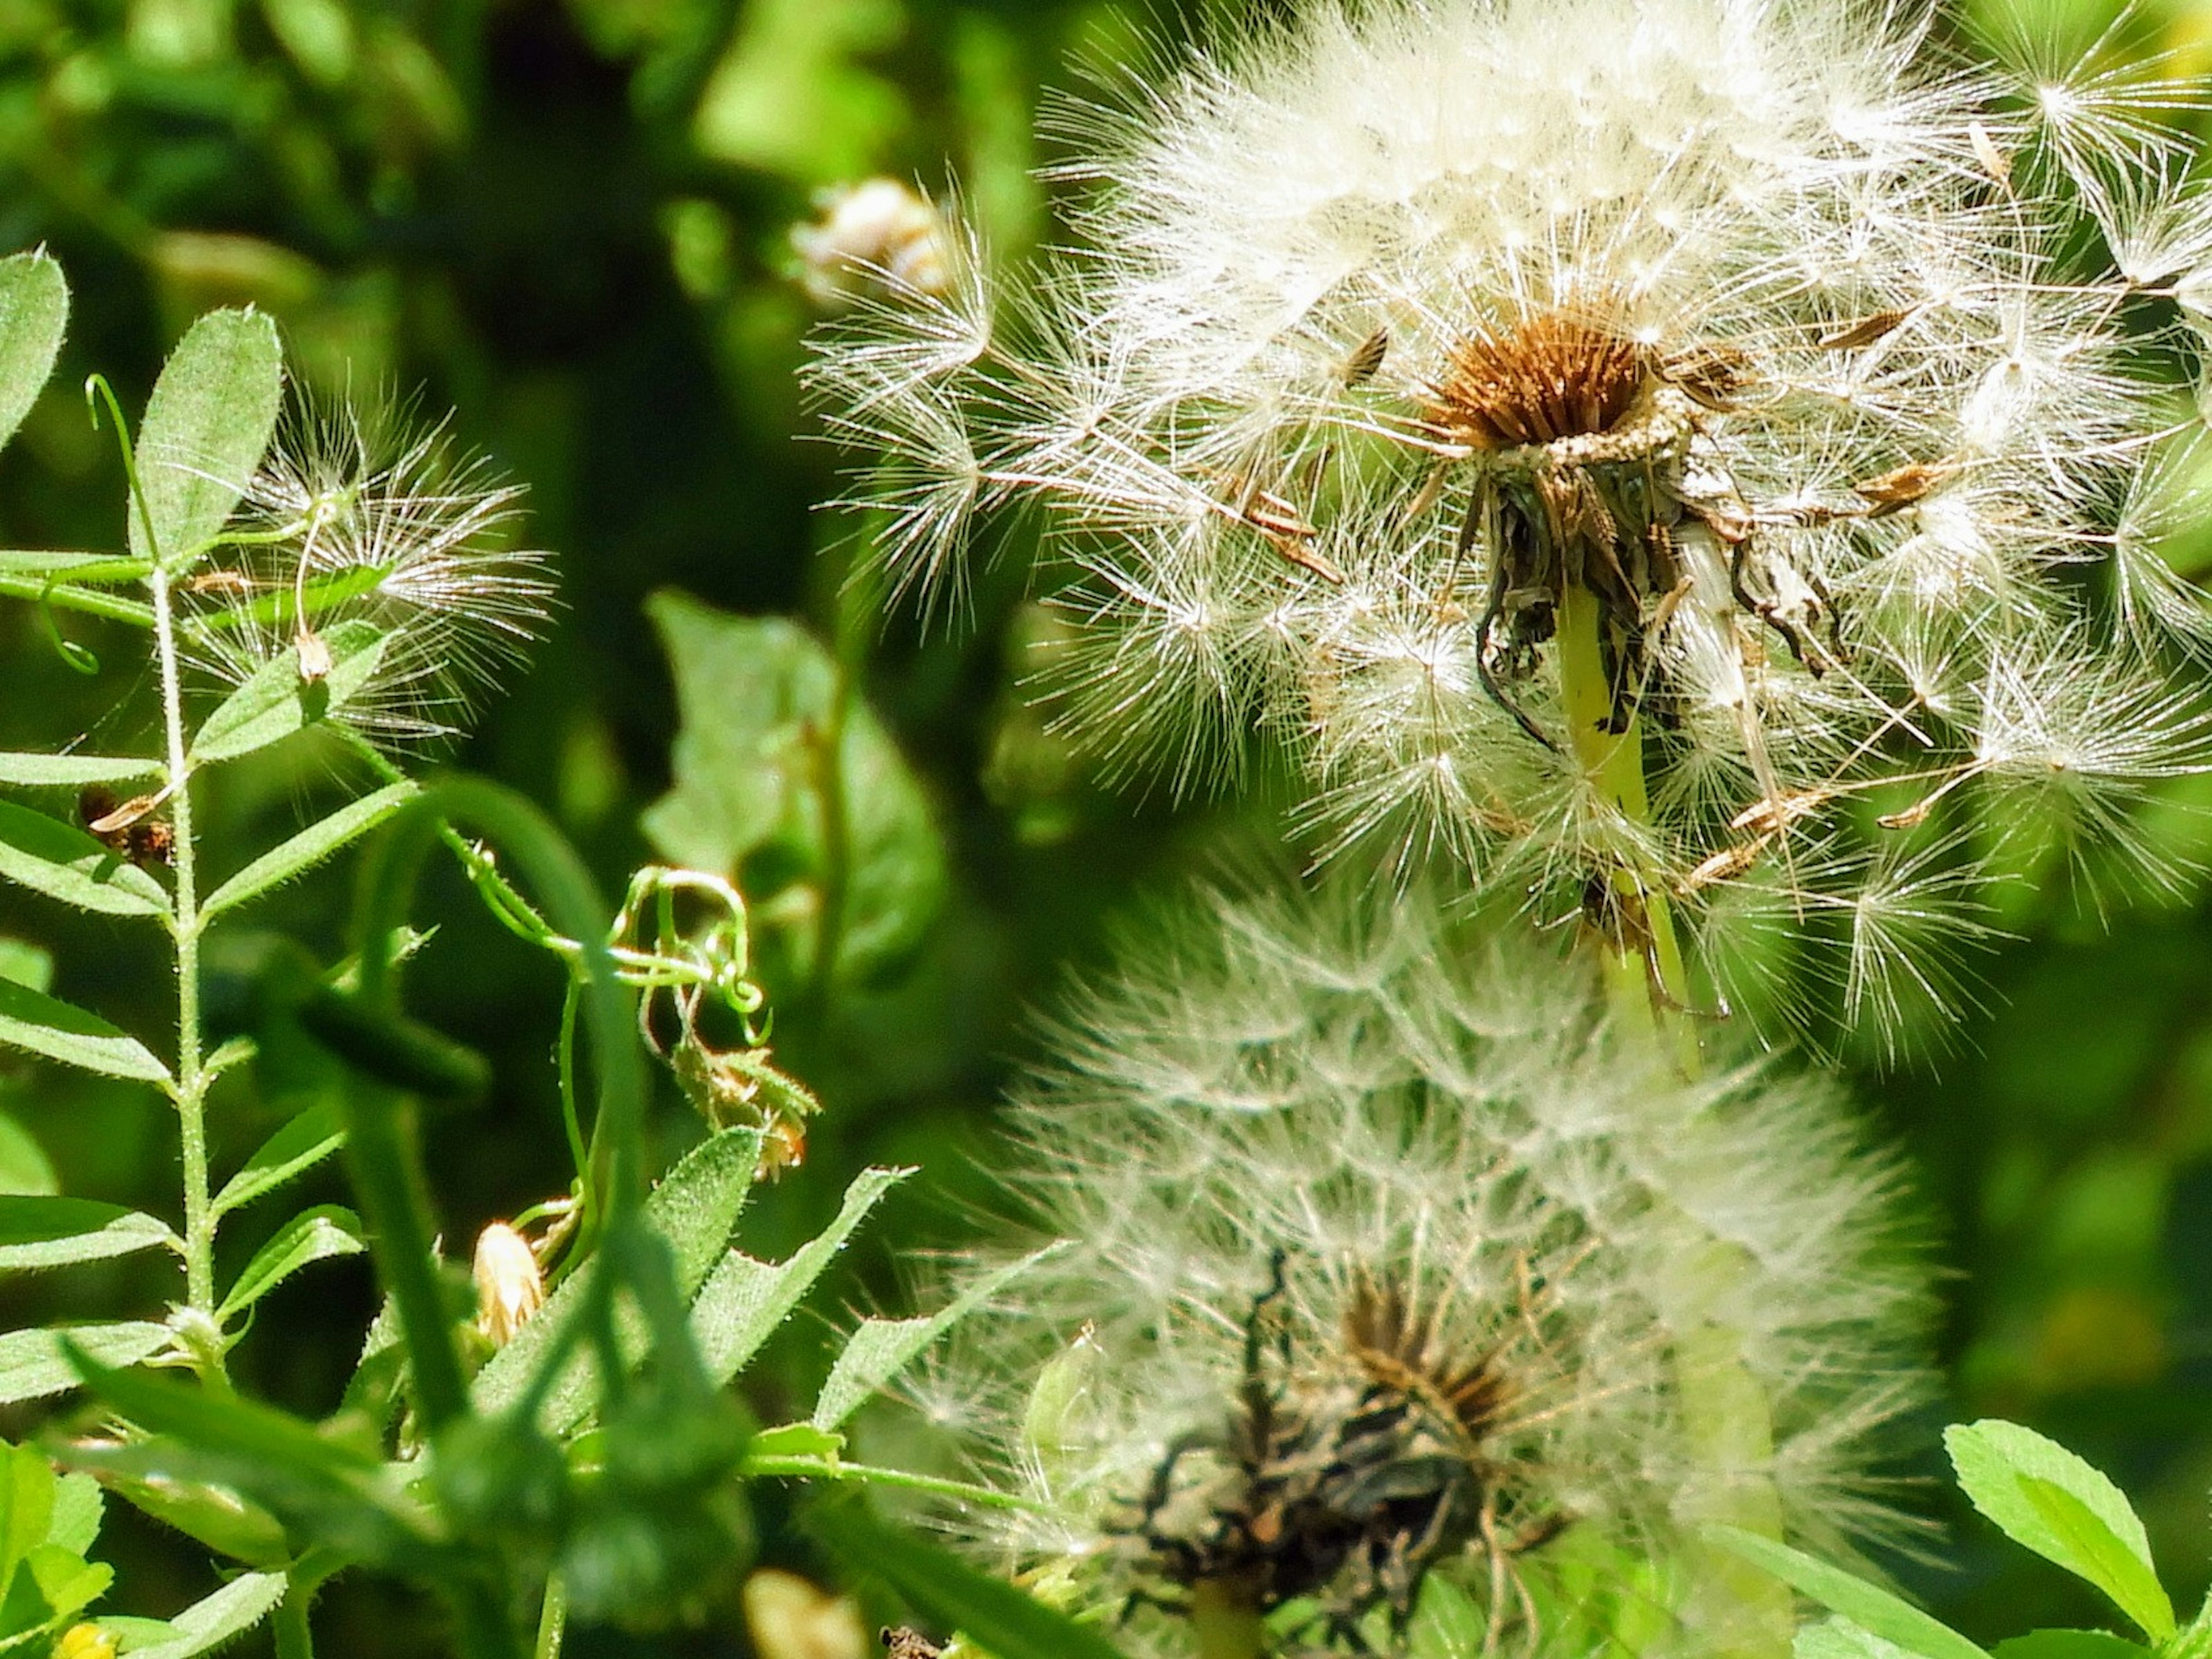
(318, 841)
(275, 702)
(1870, 1606)
(744, 1301)
(46, 1026)
(300, 1144)
(2043, 1496)
(2069, 1644)
(37, 771)
(315, 1234)
(64, 863)
(218, 1620)
(949, 1593)
(206, 428)
(33, 1366)
(880, 1348)
(33, 315)
(53, 1232)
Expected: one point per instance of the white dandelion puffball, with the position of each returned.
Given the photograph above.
(1385, 1256)
(1693, 444)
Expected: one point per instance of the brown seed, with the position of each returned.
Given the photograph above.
(1367, 359)
(1903, 486)
(1863, 332)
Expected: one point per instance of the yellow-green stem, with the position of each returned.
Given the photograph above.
(1741, 1613)
(191, 1082)
(1649, 987)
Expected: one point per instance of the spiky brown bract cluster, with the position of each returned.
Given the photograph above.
(1386, 1255)
(1845, 370)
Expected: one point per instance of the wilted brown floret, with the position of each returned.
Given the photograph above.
(1558, 375)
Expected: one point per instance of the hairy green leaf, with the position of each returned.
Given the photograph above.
(1870, 1606)
(32, 1364)
(33, 315)
(2069, 1644)
(318, 841)
(275, 701)
(1839, 1638)
(300, 1144)
(694, 1209)
(881, 1348)
(27, 1504)
(77, 1507)
(46, 1026)
(24, 1166)
(744, 1300)
(222, 1618)
(312, 1235)
(64, 863)
(213, 1516)
(757, 696)
(52, 1232)
(33, 770)
(947, 1591)
(206, 428)
(2043, 1496)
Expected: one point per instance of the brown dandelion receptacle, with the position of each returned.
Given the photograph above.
(1563, 374)
(1343, 1476)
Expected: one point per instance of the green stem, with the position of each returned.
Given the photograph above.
(552, 1619)
(89, 601)
(295, 1638)
(1646, 977)
(191, 1084)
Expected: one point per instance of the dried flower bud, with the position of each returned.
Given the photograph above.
(789, 1618)
(509, 1286)
(879, 233)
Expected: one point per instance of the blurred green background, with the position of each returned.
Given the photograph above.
(571, 223)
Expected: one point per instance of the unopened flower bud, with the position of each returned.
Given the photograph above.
(85, 1642)
(879, 228)
(509, 1286)
(789, 1618)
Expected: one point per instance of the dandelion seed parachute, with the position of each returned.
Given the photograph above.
(1840, 369)
(364, 518)
(1399, 1117)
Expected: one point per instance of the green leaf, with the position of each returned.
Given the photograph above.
(27, 1504)
(2043, 1496)
(1839, 1638)
(33, 1366)
(77, 1506)
(47, 1026)
(309, 848)
(757, 696)
(794, 1440)
(206, 428)
(744, 1300)
(694, 1209)
(24, 963)
(52, 1232)
(1870, 1606)
(223, 1617)
(24, 1166)
(66, 1580)
(73, 771)
(312, 1235)
(948, 1592)
(33, 314)
(64, 863)
(300, 1144)
(275, 701)
(2069, 1644)
(881, 1348)
(212, 1514)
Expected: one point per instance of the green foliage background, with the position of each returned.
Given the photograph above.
(570, 223)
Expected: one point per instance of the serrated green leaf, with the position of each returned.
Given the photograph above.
(880, 1348)
(318, 841)
(312, 1235)
(27, 1504)
(1870, 1606)
(77, 1507)
(213, 1516)
(73, 771)
(744, 1301)
(66, 1580)
(2069, 1644)
(756, 695)
(39, 1231)
(33, 1366)
(2043, 1496)
(24, 1167)
(275, 701)
(33, 315)
(206, 428)
(300, 1144)
(1839, 1638)
(225, 1616)
(694, 1209)
(947, 1591)
(46, 1026)
(64, 862)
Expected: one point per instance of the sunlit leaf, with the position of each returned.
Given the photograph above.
(275, 702)
(33, 315)
(300, 1144)
(52, 1232)
(318, 841)
(315, 1234)
(73, 771)
(206, 425)
(66, 863)
(32, 1364)
(879, 1349)
(222, 1618)
(24, 1167)
(1870, 1606)
(46, 1026)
